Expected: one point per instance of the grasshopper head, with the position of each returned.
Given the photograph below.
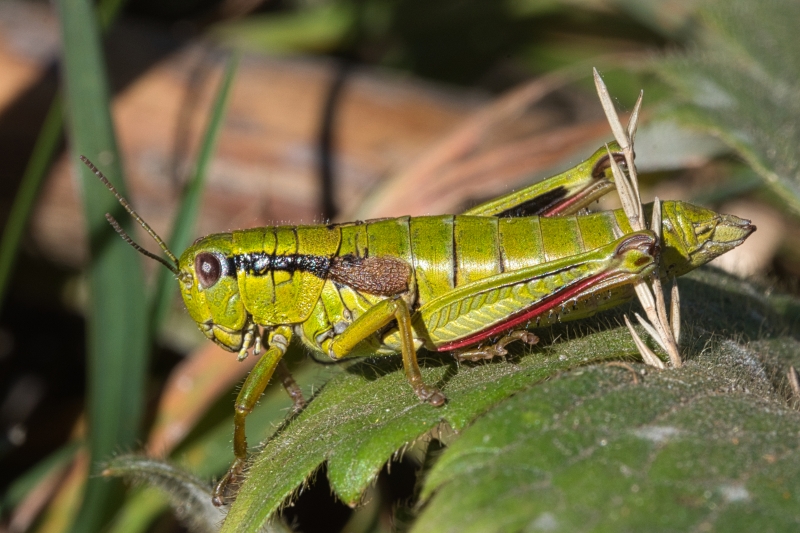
(207, 278)
(693, 236)
(211, 292)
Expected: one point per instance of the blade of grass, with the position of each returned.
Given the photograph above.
(32, 478)
(62, 510)
(39, 163)
(117, 336)
(44, 151)
(190, 204)
(142, 508)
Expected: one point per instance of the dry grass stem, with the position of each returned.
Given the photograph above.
(627, 196)
(664, 330)
(794, 382)
(633, 122)
(633, 125)
(655, 224)
(675, 317)
(611, 112)
(647, 354)
(650, 330)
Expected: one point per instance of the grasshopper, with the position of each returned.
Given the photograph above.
(467, 284)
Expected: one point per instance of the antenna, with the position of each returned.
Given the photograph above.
(173, 267)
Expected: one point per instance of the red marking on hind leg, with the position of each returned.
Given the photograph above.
(514, 320)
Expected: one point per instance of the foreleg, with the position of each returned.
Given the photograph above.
(251, 391)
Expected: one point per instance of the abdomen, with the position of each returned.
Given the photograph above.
(450, 251)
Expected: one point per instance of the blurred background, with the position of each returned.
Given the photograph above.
(337, 110)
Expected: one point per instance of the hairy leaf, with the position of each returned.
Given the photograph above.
(363, 417)
(712, 446)
(741, 81)
(625, 448)
(697, 448)
(188, 494)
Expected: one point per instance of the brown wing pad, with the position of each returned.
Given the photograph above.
(382, 276)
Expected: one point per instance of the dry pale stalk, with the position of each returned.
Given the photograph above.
(663, 327)
(794, 382)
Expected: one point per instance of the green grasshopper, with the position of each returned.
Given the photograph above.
(467, 284)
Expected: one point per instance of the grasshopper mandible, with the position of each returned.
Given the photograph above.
(468, 284)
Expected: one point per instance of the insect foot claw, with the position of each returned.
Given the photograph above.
(431, 395)
(217, 501)
(220, 495)
(474, 355)
(497, 349)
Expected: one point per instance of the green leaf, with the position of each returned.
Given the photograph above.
(693, 449)
(117, 337)
(712, 446)
(741, 81)
(596, 431)
(212, 453)
(361, 418)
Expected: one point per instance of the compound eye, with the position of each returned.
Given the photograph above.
(208, 269)
(603, 165)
